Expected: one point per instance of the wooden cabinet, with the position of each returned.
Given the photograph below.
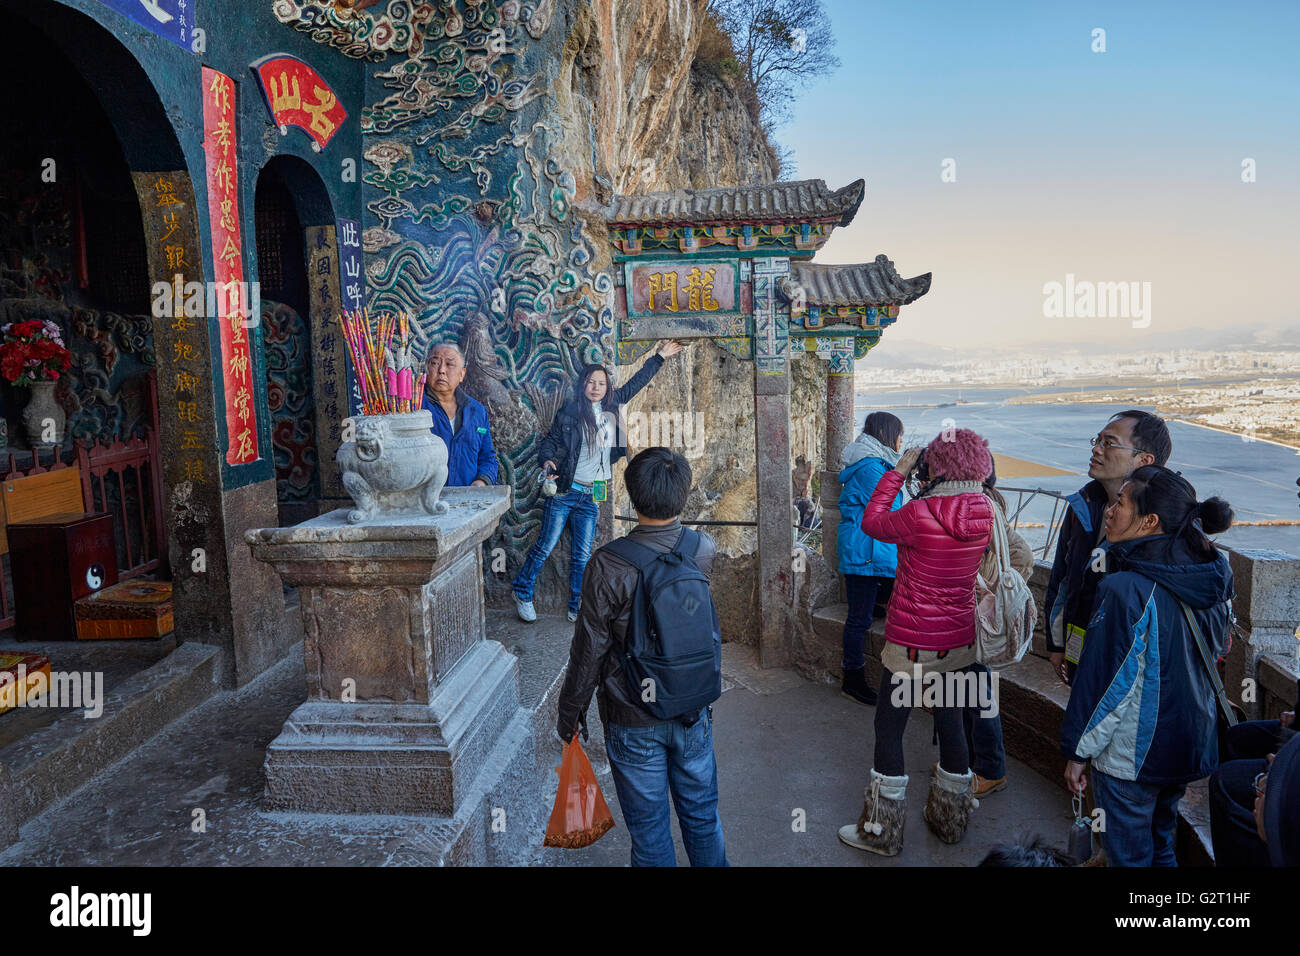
(56, 560)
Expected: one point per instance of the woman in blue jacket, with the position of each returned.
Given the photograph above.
(868, 565)
(1142, 706)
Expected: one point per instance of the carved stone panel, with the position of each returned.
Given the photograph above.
(454, 605)
(361, 635)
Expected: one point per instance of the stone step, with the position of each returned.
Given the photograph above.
(1032, 704)
(53, 760)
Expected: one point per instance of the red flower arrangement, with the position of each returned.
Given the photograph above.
(32, 352)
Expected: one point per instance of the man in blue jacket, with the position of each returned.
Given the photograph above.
(1130, 440)
(460, 421)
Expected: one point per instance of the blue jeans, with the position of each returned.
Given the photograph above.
(579, 511)
(862, 591)
(1141, 820)
(651, 762)
(988, 757)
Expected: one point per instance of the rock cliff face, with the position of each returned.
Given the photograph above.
(638, 116)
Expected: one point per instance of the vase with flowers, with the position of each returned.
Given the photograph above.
(32, 355)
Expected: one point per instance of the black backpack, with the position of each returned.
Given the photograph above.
(672, 660)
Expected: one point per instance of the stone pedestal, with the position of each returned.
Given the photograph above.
(405, 697)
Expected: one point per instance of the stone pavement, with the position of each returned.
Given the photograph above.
(783, 744)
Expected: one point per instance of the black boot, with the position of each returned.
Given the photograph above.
(855, 687)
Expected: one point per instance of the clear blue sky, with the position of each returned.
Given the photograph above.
(1115, 166)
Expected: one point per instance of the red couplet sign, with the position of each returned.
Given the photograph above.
(297, 96)
(228, 264)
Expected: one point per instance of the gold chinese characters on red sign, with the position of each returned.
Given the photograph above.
(228, 263)
(671, 289)
(298, 96)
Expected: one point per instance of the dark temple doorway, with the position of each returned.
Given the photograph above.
(286, 335)
(74, 271)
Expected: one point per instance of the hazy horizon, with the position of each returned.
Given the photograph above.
(1122, 166)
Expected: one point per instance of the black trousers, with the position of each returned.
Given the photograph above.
(1251, 739)
(1232, 814)
(891, 721)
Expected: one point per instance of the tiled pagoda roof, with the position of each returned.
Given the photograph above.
(867, 283)
(806, 199)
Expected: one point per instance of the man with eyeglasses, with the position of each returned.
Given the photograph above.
(1130, 440)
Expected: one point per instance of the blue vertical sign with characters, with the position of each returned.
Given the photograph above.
(352, 288)
(170, 19)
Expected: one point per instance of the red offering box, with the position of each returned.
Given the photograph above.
(130, 610)
(21, 672)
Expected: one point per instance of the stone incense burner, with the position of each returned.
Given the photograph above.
(396, 465)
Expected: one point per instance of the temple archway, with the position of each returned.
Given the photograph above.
(75, 259)
(202, 487)
(297, 265)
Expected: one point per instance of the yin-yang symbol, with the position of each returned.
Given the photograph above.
(95, 576)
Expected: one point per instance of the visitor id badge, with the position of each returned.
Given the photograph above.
(598, 491)
(1074, 644)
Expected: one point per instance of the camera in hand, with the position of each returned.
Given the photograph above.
(919, 477)
(922, 468)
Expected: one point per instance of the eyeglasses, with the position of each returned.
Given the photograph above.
(1260, 779)
(1109, 443)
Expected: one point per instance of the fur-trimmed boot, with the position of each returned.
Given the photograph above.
(951, 800)
(884, 811)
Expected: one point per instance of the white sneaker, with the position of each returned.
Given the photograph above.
(525, 609)
(573, 617)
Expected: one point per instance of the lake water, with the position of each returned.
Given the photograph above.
(1257, 478)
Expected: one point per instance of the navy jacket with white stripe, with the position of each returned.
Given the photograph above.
(1141, 705)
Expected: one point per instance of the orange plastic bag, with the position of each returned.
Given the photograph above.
(580, 816)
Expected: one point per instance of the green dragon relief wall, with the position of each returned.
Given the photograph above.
(493, 135)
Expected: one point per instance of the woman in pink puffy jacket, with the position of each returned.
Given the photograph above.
(929, 633)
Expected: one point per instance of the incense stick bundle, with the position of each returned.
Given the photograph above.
(369, 341)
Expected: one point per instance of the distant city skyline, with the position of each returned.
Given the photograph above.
(1071, 166)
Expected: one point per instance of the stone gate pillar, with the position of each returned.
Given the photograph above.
(775, 521)
(839, 432)
(772, 445)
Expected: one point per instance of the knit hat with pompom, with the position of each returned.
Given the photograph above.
(959, 455)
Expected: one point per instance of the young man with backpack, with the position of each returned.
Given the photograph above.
(647, 641)
(1131, 439)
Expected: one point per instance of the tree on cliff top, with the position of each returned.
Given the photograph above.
(780, 44)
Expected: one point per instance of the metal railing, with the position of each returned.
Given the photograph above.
(740, 524)
(1025, 496)
(735, 524)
